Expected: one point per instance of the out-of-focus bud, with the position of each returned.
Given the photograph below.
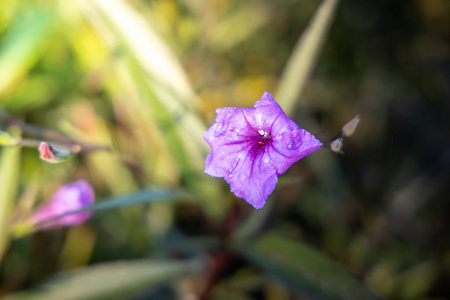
(52, 154)
(336, 145)
(70, 197)
(350, 127)
(6, 139)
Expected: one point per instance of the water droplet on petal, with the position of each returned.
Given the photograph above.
(293, 144)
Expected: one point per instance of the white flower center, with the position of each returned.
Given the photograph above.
(264, 134)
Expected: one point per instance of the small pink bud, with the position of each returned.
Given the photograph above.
(70, 197)
(52, 154)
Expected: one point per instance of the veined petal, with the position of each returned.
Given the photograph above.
(254, 178)
(290, 144)
(265, 113)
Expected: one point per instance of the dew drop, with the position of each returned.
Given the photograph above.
(293, 145)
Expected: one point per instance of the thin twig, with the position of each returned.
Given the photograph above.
(49, 136)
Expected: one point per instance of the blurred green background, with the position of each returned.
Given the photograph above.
(145, 78)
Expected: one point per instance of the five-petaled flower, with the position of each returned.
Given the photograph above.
(251, 147)
(68, 198)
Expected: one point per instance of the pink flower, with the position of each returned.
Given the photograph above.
(70, 197)
(251, 147)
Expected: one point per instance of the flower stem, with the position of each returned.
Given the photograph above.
(49, 136)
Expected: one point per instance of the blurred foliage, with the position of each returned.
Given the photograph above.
(145, 77)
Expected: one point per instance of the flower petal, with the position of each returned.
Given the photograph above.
(265, 113)
(253, 178)
(290, 144)
(70, 197)
(228, 137)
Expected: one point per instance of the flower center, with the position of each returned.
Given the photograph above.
(265, 137)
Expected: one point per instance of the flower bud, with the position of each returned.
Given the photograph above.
(52, 154)
(350, 127)
(336, 145)
(70, 197)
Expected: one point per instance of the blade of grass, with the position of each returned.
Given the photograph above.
(9, 175)
(117, 280)
(305, 55)
(229, 32)
(23, 44)
(141, 197)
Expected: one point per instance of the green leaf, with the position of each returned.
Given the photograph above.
(306, 268)
(229, 32)
(9, 175)
(22, 46)
(304, 56)
(141, 197)
(116, 280)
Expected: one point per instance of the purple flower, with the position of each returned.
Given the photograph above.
(70, 197)
(251, 147)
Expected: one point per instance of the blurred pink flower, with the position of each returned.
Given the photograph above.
(251, 147)
(70, 197)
